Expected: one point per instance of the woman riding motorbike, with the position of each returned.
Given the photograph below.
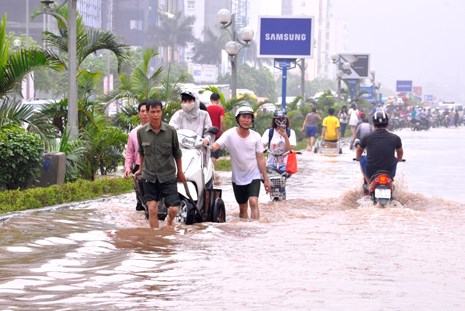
(279, 139)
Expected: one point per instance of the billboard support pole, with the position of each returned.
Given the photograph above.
(284, 64)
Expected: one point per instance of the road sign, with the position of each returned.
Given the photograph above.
(404, 86)
(428, 98)
(368, 93)
(285, 37)
(417, 91)
(354, 66)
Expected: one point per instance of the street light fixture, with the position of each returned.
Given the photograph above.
(343, 69)
(239, 40)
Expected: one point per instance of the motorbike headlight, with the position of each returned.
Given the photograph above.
(188, 142)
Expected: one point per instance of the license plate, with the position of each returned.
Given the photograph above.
(382, 193)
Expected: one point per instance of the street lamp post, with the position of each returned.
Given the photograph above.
(233, 47)
(72, 70)
(343, 68)
(73, 129)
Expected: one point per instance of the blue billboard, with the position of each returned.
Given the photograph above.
(285, 37)
(368, 93)
(404, 86)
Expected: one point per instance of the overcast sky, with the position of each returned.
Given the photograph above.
(419, 40)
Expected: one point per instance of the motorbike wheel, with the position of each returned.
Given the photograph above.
(187, 213)
(383, 202)
(219, 211)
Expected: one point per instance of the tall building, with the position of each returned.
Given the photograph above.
(319, 66)
(20, 12)
(132, 20)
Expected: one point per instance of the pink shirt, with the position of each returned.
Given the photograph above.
(132, 155)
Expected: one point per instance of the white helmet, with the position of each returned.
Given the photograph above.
(244, 110)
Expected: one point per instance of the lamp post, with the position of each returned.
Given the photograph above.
(73, 129)
(302, 67)
(233, 47)
(343, 69)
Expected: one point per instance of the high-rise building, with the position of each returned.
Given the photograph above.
(19, 14)
(319, 65)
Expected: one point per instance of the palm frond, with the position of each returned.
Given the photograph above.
(14, 112)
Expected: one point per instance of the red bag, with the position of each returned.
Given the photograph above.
(291, 165)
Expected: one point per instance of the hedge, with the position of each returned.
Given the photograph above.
(17, 200)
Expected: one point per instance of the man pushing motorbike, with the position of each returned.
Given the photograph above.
(384, 149)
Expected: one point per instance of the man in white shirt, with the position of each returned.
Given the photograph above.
(248, 163)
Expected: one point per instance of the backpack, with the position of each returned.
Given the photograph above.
(271, 132)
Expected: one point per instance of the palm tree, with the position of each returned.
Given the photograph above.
(174, 31)
(15, 65)
(141, 84)
(89, 40)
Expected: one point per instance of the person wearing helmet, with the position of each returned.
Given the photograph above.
(363, 129)
(278, 139)
(248, 163)
(384, 149)
(191, 117)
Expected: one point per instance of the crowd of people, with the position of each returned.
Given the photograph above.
(153, 153)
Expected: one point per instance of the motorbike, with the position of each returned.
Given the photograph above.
(278, 178)
(380, 187)
(200, 202)
(420, 124)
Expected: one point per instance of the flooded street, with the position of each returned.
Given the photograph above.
(326, 248)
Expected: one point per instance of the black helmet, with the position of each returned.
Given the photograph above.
(380, 118)
(280, 119)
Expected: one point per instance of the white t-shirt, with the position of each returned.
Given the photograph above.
(243, 153)
(277, 145)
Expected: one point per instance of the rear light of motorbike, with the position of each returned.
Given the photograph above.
(383, 180)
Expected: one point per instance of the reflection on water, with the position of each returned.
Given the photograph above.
(325, 248)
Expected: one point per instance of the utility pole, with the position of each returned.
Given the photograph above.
(73, 129)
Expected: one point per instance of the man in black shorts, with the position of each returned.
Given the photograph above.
(160, 158)
(384, 149)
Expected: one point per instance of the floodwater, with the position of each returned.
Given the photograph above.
(326, 248)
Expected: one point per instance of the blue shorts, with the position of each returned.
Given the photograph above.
(310, 131)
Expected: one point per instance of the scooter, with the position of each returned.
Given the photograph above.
(380, 187)
(278, 179)
(200, 202)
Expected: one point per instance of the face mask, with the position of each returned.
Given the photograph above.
(187, 106)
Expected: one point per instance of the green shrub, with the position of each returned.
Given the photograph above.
(21, 157)
(17, 200)
(223, 164)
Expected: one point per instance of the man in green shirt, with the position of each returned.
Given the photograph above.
(161, 165)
